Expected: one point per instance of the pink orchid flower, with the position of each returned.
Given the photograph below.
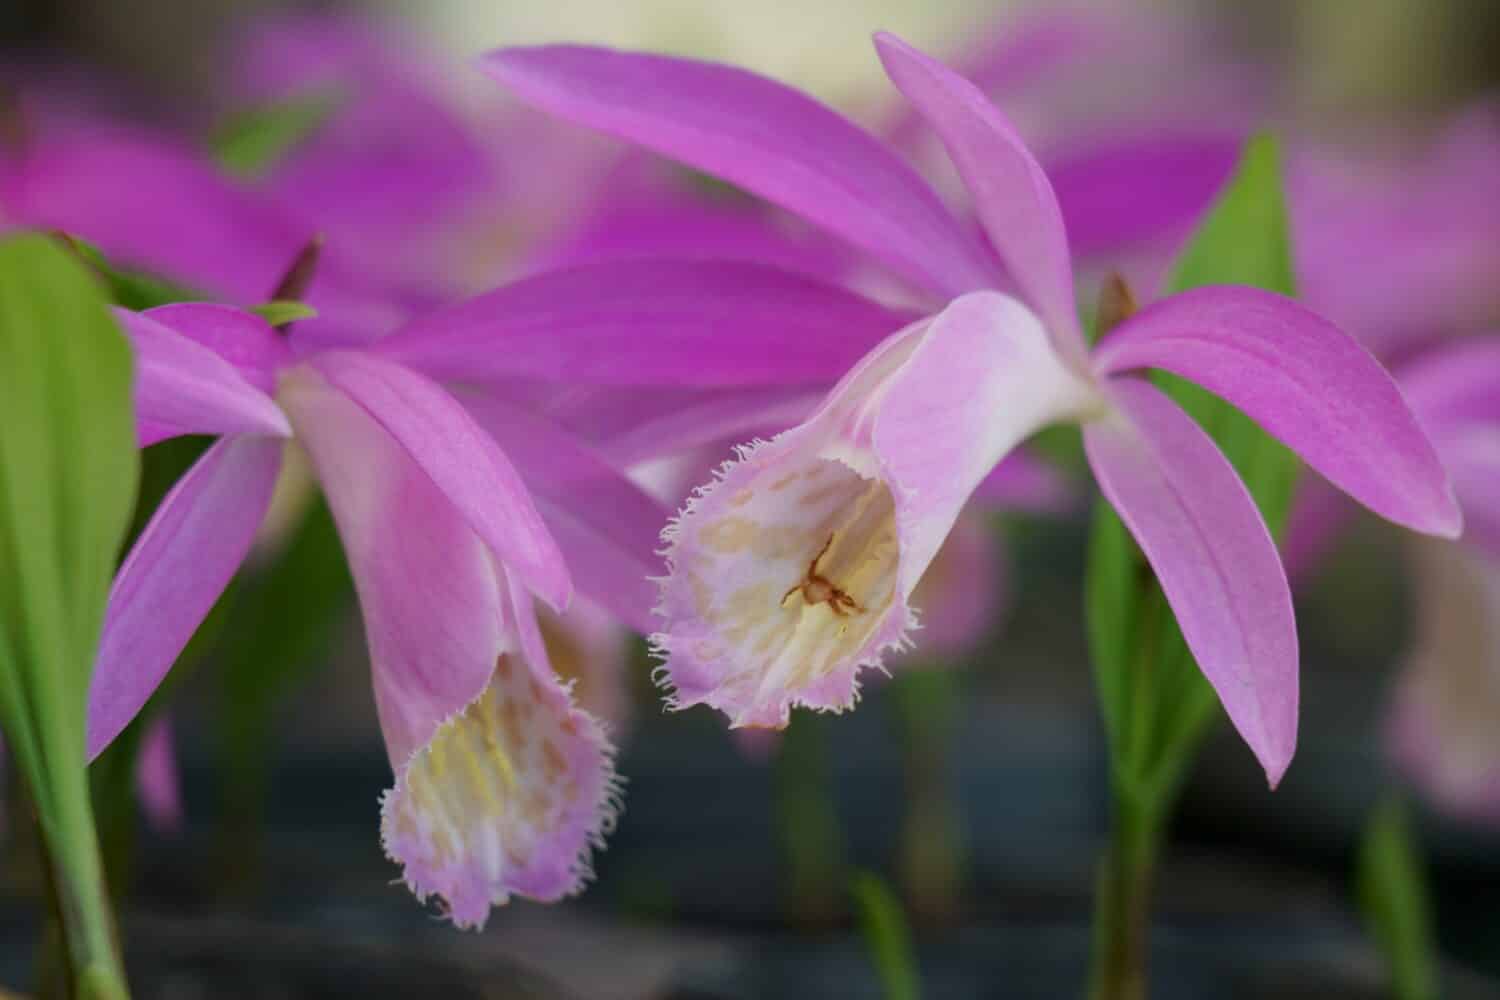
(502, 784)
(795, 568)
(1442, 725)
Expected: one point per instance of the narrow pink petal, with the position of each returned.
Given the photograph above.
(760, 135)
(157, 782)
(1011, 193)
(605, 524)
(1216, 562)
(181, 563)
(674, 322)
(1307, 383)
(1472, 457)
(631, 425)
(240, 337)
(461, 459)
(182, 387)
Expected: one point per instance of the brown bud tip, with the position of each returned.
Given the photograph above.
(295, 281)
(1116, 303)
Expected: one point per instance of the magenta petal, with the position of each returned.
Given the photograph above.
(181, 563)
(762, 136)
(242, 338)
(1457, 383)
(605, 525)
(1011, 193)
(463, 461)
(656, 322)
(182, 387)
(1307, 383)
(1216, 562)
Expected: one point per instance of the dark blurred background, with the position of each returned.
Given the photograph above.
(727, 876)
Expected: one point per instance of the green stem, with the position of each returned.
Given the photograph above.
(1122, 914)
(811, 837)
(76, 875)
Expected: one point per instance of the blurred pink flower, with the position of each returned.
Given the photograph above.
(795, 567)
(1442, 729)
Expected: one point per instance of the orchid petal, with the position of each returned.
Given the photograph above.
(463, 461)
(760, 135)
(527, 783)
(1214, 557)
(710, 323)
(242, 338)
(182, 387)
(180, 564)
(1011, 193)
(605, 525)
(635, 426)
(1457, 383)
(794, 569)
(1307, 383)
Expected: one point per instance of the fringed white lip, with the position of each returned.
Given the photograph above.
(793, 570)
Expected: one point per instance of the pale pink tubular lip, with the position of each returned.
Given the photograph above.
(454, 681)
(1213, 555)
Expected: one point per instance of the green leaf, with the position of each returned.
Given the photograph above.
(885, 932)
(68, 461)
(280, 312)
(1393, 897)
(68, 472)
(251, 142)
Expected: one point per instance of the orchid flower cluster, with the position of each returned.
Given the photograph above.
(877, 359)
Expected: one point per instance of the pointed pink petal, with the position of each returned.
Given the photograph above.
(679, 323)
(465, 463)
(605, 525)
(1011, 193)
(181, 563)
(157, 782)
(1307, 383)
(1216, 562)
(240, 337)
(182, 387)
(760, 135)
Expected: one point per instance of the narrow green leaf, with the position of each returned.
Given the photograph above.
(68, 472)
(68, 460)
(250, 142)
(279, 312)
(883, 925)
(1393, 896)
